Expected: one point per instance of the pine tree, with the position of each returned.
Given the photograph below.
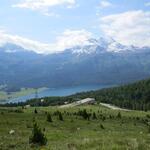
(60, 116)
(35, 111)
(149, 129)
(85, 114)
(94, 115)
(37, 136)
(119, 115)
(102, 127)
(49, 118)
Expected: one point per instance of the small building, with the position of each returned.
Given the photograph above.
(65, 103)
(42, 100)
(27, 106)
(88, 101)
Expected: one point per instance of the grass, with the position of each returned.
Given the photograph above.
(74, 133)
(24, 91)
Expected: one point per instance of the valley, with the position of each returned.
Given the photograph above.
(91, 64)
(133, 96)
(75, 75)
(117, 79)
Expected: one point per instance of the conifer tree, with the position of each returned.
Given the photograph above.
(37, 136)
(119, 115)
(49, 118)
(35, 111)
(60, 116)
(94, 115)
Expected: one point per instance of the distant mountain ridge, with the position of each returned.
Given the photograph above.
(89, 46)
(96, 62)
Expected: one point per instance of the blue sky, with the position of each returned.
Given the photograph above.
(46, 24)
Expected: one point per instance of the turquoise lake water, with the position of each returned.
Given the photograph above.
(59, 92)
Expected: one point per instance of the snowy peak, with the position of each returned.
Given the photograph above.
(92, 45)
(100, 45)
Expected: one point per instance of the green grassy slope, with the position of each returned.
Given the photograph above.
(131, 131)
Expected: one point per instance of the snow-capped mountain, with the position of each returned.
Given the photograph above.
(101, 45)
(90, 46)
(99, 61)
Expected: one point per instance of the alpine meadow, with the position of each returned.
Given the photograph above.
(75, 75)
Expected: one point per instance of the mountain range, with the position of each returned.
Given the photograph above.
(99, 61)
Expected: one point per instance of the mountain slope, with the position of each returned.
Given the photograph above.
(133, 96)
(93, 63)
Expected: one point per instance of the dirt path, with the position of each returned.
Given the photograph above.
(113, 107)
(68, 105)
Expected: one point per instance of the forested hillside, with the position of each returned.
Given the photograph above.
(132, 96)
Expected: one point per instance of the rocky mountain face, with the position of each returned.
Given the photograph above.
(97, 62)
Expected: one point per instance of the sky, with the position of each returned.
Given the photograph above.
(48, 26)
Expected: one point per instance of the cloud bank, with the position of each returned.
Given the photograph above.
(44, 5)
(105, 4)
(128, 28)
(68, 39)
(147, 4)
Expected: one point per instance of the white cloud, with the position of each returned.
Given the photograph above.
(147, 4)
(72, 38)
(105, 4)
(23, 42)
(129, 28)
(67, 39)
(44, 5)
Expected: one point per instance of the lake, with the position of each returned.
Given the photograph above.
(59, 92)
